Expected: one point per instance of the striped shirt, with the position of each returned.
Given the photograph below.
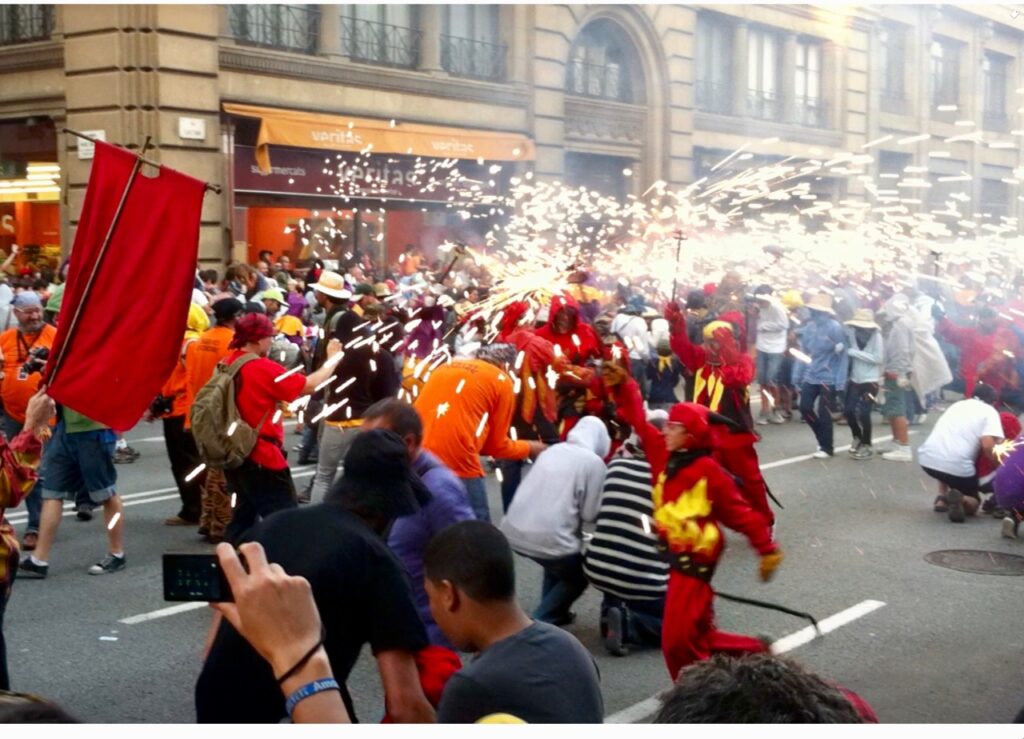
(621, 559)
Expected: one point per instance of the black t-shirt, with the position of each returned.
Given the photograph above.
(361, 590)
(541, 675)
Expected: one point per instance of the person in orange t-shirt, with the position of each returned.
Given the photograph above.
(17, 387)
(172, 407)
(467, 409)
(201, 357)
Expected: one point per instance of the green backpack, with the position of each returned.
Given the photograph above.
(223, 438)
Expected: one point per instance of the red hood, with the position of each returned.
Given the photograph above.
(558, 303)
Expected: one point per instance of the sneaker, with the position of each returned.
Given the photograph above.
(941, 504)
(919, 420)
(83, 512)
(108, 564)
(28, 543)
(900, 454)
(29, 570)
(762, 421)
(776, 418)
(125, 456)
(614, 640)
(820, 454)
(864, 451)
(854, 448)
(1010, 527)
(989, 505)
(956, 506)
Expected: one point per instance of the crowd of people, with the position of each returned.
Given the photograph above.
(623, 434)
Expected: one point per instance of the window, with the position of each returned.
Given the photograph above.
(810, 109)
(995, 199)
(995, 68)
(601, 64)
(470, 45)
(21, 23)
(945, 68)
(892, 62)
(950, 192)
(383, 34)
(714, 63)
(287, 27)
(764, 66)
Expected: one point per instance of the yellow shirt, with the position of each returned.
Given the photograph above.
(289, 326)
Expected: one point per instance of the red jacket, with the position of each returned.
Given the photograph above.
(982, 355)
(581, 343)
(690, 505)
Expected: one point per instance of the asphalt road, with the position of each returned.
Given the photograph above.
(945, 647)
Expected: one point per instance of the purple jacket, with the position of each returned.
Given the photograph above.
(296, 305)
(410, 534)
(1009, 480)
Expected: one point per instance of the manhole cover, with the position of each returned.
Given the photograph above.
(977, 561)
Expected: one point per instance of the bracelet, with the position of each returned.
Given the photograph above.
(302, 662)
(309, 690)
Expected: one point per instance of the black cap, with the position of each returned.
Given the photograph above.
(255, 306)
(363, 288)
(696, 300)
(763, 290)
(227, 309)
(378, 477)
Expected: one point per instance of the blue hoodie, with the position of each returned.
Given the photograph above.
(819, 338)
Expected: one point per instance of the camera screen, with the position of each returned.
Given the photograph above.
(194, 577)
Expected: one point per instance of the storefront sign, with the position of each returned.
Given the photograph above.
(380, 176)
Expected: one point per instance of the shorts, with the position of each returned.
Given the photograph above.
(966, 485)
(895, 405)
(768, 368)
(82, 461)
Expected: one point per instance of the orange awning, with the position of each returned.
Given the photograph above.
(344, 133)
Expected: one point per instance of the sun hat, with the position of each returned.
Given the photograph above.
(863, 318)
(333, 284)
(821, 302)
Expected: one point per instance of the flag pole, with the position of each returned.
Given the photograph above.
(58, 361)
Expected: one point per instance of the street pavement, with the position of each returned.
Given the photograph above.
(944, 647)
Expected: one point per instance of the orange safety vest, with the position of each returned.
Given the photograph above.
(15, 390)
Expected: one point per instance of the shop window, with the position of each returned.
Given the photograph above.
(470, 44)
(387, 35)
(285, 27)
(603, 64)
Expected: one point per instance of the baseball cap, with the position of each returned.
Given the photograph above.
(227, 308)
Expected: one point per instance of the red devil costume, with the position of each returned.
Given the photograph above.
(693, 494)
(722, 377)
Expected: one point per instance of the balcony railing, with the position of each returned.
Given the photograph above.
(465, 57)
(995, 121)
(597, 80)
(811, 112)
(764, 105)
(382, 43)
(285, 27)
(23, 23)
(713, 97)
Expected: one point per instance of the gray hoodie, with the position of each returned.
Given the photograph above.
(561, 492)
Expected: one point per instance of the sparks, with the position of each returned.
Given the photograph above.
(197, 471)
(483, 423)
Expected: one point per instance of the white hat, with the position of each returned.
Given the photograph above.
(333, 284)
(822, 302)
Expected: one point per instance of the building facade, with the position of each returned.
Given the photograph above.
(280, 103)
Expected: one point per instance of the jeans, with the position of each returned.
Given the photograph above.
(638, 368)
(511, 476)
(858, 410)
(334, 444)
(34, 500)
(641, 618)
(311, 433)
(476, 490)
(564, 582)
(259, 492)
(820, 418)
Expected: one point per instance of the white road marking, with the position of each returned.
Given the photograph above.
(805, 457)
(169, 611)
(647, 707)
(154, 439)
(69, 508)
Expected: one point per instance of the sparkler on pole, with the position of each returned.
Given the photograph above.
(680, 238)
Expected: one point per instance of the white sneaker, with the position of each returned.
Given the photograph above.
(762, 421)
(776, 418)
(899, 454)
(820, 454)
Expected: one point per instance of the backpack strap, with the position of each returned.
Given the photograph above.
(234, 371)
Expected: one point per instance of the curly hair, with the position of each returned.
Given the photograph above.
(755, 689)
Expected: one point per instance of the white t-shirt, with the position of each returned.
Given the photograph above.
(634, 333)
(772, 327)
(954, 443)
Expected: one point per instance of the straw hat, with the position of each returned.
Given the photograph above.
(823, 303)
(863, 318)
(333, 284)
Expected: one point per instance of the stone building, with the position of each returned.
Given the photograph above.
(255, 97)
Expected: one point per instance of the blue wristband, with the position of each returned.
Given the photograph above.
(310, 689)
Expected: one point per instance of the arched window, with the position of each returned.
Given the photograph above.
(604, 64)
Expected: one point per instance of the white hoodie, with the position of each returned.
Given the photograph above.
(561, 492)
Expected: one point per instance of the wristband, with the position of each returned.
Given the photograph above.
(308, 690)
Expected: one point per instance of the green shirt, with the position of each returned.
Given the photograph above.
(76, 423)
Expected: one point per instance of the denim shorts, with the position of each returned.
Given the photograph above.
(82, 461)
(768, 367)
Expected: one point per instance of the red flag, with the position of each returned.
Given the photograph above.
(133, 317)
